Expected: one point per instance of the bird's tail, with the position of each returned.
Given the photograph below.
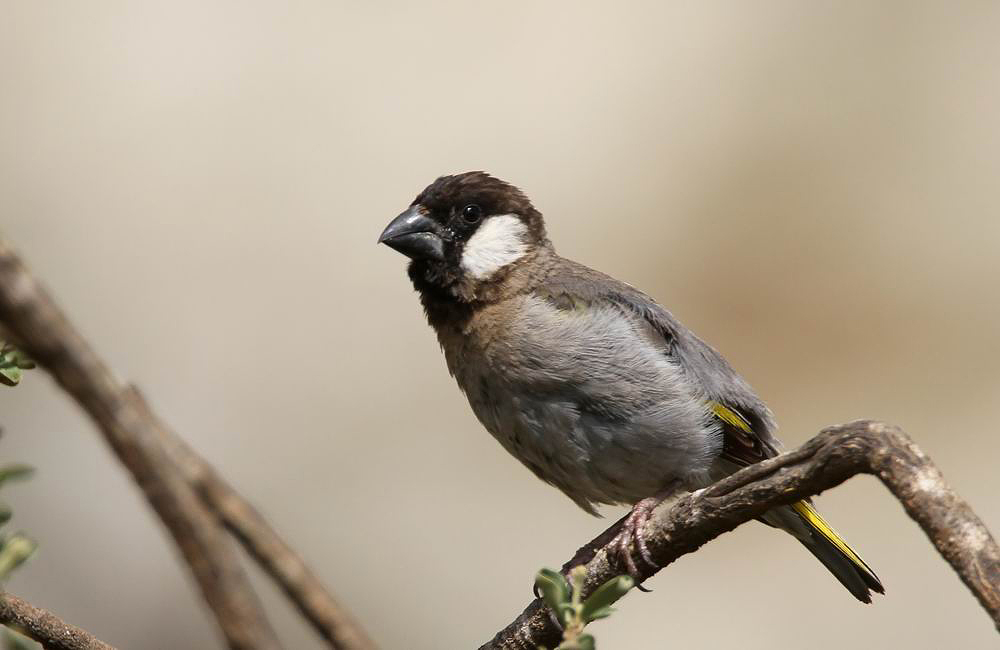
(802, 520)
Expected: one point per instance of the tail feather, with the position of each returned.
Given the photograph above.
(839, 558)
(742, 447)
(805, 524)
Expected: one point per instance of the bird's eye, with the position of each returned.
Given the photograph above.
(472, 213)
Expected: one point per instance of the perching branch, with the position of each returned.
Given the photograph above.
(183, 489)
(829, 459)
(44, 627)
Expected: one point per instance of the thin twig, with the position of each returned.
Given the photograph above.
(135, 434)
(317, 605)
(827, 460)
(44, 627)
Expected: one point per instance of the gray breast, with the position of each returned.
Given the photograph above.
(587, 398)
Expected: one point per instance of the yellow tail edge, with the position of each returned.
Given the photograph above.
(811, 517)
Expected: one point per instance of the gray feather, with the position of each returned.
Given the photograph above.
(587, 392)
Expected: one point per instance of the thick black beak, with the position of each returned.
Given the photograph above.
(415, 235)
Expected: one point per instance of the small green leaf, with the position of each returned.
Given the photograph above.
(554, 588)
(15, 551)
(12, 362)
(5, 513)
(603, 612)
(16, 641)
(10, 375)
(15, 472)
(605, 596)
(586, 642)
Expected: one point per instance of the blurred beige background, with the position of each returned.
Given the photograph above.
(810, 186)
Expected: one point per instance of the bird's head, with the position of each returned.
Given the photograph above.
(465, 230)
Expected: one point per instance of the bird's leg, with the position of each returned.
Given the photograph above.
(631, 532)
(621, 535)
(634, 527)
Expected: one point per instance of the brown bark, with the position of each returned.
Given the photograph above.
(133, 432)
(44, 627)
(193, 503)
(317, 605)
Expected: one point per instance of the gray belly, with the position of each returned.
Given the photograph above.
(594, 454)
(590, 399)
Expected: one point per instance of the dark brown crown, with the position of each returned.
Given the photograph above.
(491, 194)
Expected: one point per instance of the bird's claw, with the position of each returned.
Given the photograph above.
(633, 533)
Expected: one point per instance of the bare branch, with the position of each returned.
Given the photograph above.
(332, 621)
(44, 627)
(135, 435)
(827, 460)
(188, 494)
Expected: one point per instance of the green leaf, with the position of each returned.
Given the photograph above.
(12, 362)
(16, 641)
(586, 642)
(15, 551)
(554, 588)
(603, 612)
(605, 596)
(5, 513)
(10, 375)
(15, 472)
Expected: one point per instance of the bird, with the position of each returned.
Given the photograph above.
(590, 383)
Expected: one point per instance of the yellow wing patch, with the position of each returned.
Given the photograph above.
(730, 417)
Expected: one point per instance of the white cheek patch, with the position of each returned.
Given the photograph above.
(499, 241)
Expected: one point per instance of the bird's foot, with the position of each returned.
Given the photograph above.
(628, 531)
(632, 534)
(633, 531)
